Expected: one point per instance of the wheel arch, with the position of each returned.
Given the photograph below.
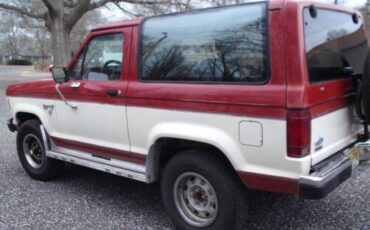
(25, 111)
(25, 116)
(165, 148)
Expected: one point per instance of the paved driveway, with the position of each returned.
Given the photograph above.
(10, 74)
(88, 199)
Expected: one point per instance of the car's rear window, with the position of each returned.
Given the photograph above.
(336, 44)
(227, 44)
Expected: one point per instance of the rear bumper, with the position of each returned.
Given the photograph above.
(11, 126)
(326, 176)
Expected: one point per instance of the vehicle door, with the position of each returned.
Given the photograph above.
(97, 92)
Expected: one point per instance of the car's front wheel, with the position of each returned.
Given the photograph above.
(200, 192)
(31, 153)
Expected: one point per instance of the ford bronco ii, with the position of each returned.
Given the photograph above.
(270, 96)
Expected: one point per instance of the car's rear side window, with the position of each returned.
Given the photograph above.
(214, 45)
(336, 44)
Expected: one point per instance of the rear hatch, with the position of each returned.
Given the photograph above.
(336, 49)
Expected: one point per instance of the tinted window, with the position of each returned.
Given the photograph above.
(336, 45)
(102, 60)
(214, 45)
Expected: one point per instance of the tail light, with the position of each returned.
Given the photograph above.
(298, 133)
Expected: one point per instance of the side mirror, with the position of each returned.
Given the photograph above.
(59, 74)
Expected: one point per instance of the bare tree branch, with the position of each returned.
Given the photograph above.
(50, 5)
(94, 5)
(70, 3)
(23, 11)
(84, 6)
(142, 2)
(125, 11)
(77, 12)
(61, 16)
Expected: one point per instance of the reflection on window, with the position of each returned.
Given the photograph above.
(75, 72)
(336, 46)
(215, 45)
(103, 59)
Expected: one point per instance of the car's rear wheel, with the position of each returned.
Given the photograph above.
(200, 192)
(363, 93)
(195, 199)
(32, 155)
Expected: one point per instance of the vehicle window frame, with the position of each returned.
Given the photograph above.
(74, 61)
(85, 49)
(267, 39)
(305, 45)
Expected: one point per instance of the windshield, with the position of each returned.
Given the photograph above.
(336, 44)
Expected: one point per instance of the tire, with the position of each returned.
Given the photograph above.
(31, 153)
(199, 191)
(364, 104)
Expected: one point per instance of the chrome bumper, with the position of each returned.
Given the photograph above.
(330, 173)
(326, 176)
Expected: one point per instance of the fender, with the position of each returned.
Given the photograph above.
(41, 108)
(204, 134)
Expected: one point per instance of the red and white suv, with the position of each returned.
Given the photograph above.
(259, 95)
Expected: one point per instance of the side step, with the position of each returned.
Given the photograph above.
(113, 166)
(129, 170)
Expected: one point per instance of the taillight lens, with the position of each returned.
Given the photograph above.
(299, 133)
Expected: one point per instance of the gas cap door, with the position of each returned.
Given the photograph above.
(251, 133)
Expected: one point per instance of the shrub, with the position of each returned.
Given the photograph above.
(19, 62)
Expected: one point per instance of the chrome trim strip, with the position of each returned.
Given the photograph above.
(94, 164)
(110, 162)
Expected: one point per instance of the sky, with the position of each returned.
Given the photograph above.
(357, 3)
(350, 3)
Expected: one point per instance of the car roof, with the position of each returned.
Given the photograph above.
(123, 23)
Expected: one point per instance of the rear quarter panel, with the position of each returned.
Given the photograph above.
(331, 102)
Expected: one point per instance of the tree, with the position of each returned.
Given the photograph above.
(83, 26)
(225, 2)
(178, 6)
(157, 9)
(59, 18)
(42, 42)
(10, 33)
(366, 14)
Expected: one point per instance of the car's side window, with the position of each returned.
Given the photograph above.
(336, 45)
(199, 47)
(102, 59)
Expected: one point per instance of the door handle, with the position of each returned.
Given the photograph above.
(113, 92)
(75, 84)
